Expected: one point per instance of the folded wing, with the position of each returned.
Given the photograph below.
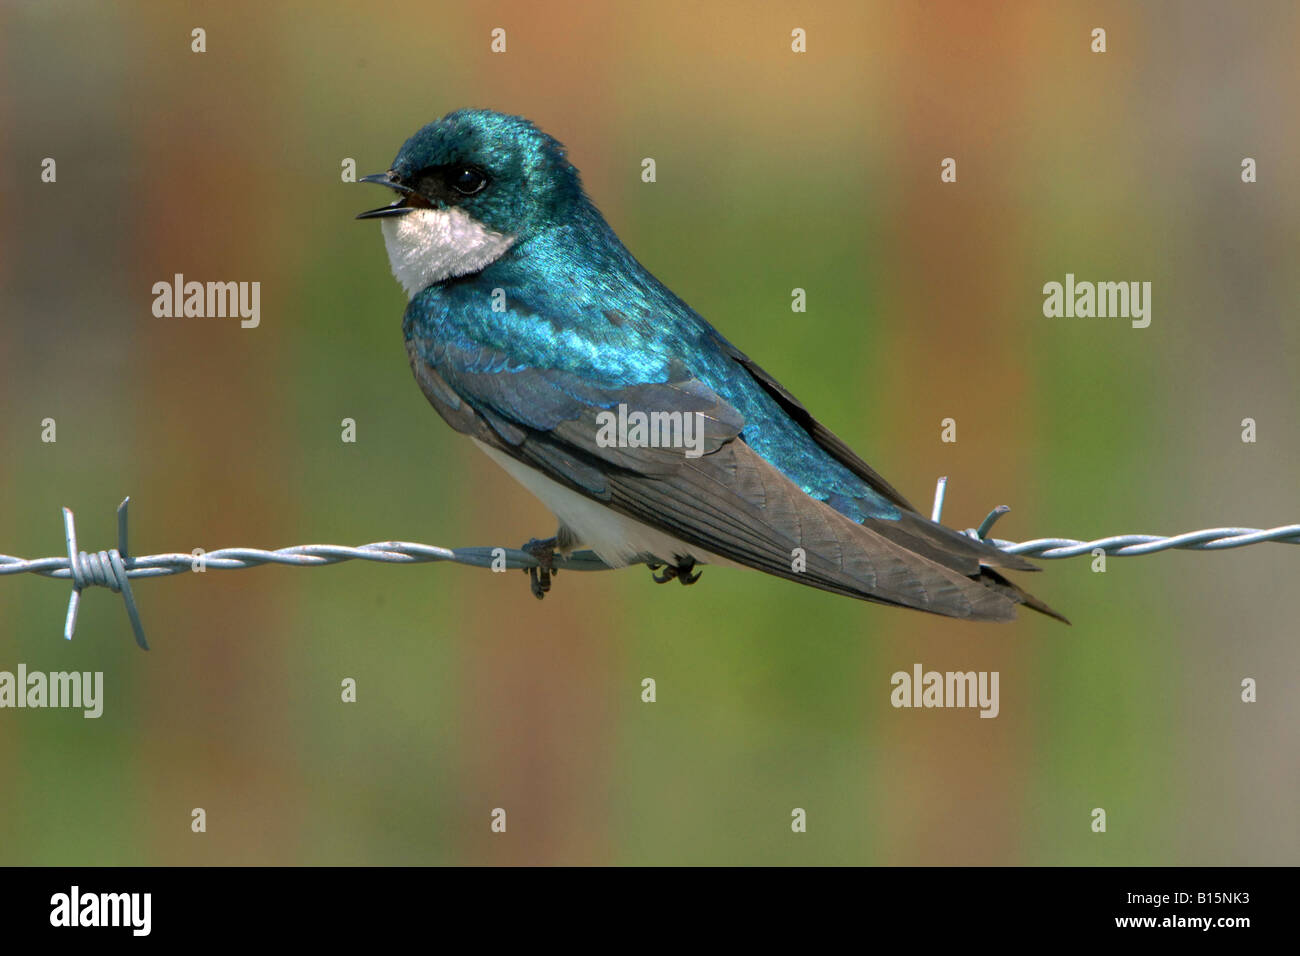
(728, 500)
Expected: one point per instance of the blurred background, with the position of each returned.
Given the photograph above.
(775, 170)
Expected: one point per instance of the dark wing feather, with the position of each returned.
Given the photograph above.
(729, 501)
(914, 530)
(831, 443)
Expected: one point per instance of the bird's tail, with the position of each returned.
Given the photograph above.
(996, 582)
(974, 559)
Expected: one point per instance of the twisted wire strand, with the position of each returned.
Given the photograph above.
(302, 555)
(1131, 545)
(103, 568)
(93, 568)
(113, 568)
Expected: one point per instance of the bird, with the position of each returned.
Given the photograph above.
(532, 330)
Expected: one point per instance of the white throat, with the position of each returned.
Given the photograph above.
(429, 245)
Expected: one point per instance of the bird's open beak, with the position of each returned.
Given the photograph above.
(397, 208)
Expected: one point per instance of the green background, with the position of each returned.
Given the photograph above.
(775, 171)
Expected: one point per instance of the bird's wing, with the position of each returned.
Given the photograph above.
(728, 501)
(832, 444)
(913, 529)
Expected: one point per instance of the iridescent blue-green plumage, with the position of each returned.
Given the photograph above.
(576, 301)
(523, 352)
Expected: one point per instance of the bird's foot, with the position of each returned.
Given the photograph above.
(539, 578)
(681, 572)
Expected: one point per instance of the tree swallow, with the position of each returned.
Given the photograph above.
(533, 330)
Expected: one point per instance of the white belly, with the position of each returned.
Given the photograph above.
(616, 538)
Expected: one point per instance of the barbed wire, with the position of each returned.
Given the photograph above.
(114, 568)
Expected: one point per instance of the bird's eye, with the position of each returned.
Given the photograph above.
(467, 180)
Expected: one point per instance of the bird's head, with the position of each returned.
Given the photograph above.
(469, 186)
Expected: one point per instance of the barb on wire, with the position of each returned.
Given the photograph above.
(114, 568)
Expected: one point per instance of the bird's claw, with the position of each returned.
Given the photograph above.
(539, 578)
(684, 572)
